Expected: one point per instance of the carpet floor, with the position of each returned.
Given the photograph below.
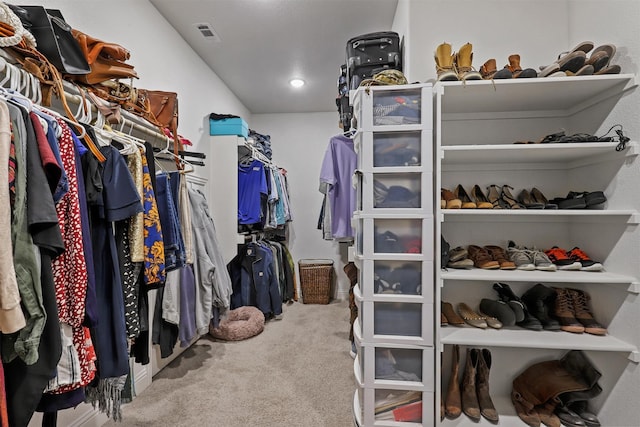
(297, 372)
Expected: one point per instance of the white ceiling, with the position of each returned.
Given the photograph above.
(265, 43)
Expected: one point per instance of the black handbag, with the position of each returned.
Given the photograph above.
(54, 38)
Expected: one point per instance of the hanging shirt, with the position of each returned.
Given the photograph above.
(252, 184)
(338, 167)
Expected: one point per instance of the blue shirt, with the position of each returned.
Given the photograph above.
(252, 183)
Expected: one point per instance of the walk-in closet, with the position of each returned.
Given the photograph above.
(319, 213)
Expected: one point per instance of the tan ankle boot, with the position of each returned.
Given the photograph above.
(463, 62)
(444, 63)
(488, 69)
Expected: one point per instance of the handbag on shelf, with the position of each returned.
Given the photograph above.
(107, 60)
(54, 38)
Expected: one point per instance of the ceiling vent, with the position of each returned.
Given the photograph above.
(207, 32)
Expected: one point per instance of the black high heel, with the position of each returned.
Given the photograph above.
(494, 197)
(461, 194)
(509, 199)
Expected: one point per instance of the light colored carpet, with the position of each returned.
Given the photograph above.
(297, 372)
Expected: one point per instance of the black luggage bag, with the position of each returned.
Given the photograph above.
(371, 53)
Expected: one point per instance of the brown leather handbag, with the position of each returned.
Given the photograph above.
(107, 60)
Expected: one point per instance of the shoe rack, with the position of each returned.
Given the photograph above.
(476, 125)
(394, 253)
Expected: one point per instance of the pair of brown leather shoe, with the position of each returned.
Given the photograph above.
(490, 257)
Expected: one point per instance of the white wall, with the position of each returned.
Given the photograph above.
(299, 142)
(585, 23)
(401, 26)
(163, 61)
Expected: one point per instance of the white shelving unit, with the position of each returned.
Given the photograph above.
(394, 332)
(477, 125)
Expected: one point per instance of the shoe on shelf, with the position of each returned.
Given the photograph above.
(463, 264)
(452, 317)
(498, 309)
(458, 258)
(463, 59)
(587, 263)
(562, 260)
(461, 194)
(539, 300)
(443, 319)
(516, 69)
(508, 198)
(493, 195)
(481, 258)
(564, 311)
(528, 201)
(581, 408)
(487, 409)
(524, 319)
(451, 201)
(444, 63)
(538, 197)
(568, 417)
(499, 254)
(489, 71)
(583, 313)
(471, 317)
(482, 202)
(492, 322)
(541, 260)
(520, 256)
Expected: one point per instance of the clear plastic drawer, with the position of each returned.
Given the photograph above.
(394, 149)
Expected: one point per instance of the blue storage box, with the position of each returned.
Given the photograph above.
(232, 126)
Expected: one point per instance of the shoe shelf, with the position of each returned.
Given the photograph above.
(557, 155)
(507, 413)
(519, 338)
(541, 97)
(602, 277)
(628, 216)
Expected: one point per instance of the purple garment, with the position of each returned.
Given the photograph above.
(187, 326)
(252, 184)
(338, 167)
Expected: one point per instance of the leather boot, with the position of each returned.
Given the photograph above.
(524, 319)
(452, 403)
(489, 71)
(463, 63)
(526, 412)
(444, 63)
(564, 311)
(539, 302)
(547, 417)
(516, 69)
(482, 387)
(470, 405)
(583, 314)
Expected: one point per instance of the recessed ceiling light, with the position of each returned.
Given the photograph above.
(296, 83)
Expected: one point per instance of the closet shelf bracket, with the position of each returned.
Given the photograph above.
(634, 288)
(634, 356)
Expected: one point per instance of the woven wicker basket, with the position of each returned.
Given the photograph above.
(316, 278)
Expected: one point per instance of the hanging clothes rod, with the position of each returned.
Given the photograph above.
(13, 77)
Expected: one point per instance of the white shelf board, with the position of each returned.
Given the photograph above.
(477, 274)
(523, 338)
(556, 153)
(559, 96)
(627, 215)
